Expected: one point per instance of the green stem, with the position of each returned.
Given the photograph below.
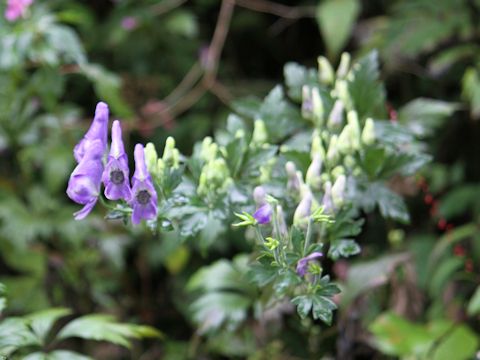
(276, 228)
(308, 237)
(259, 235)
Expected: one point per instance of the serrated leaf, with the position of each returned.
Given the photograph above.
(343, 248)
(41, 322)
(336, 19)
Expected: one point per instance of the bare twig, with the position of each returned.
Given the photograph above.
(280, 10)
(166, 6)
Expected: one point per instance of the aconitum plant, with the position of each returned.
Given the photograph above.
(297, 169)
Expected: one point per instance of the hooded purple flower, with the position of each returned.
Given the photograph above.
(84, 183)
(263, 215)
(144, 197)
(115, 176)
(302, 265)
(98, 131)
(16, 9)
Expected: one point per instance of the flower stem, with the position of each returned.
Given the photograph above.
(308, 236)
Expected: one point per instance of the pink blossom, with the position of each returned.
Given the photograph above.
(129, 23)
(16, 9)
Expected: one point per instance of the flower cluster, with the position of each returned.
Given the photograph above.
(91, 171)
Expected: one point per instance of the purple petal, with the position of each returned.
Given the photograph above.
(263, 215)
(81, 214)
(302, 265)
(117, 192)
(97, 131)
(146, 212)
(117, 149)
(141, 172)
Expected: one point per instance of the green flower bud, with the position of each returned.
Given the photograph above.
(344, 145)
(325, 71)
(171, 155)
(368, 133)
(335, 118)
(344, 66)
(341, 92)
(332, 153)
(208, 150)
(318, 109)
(312, 178)
(303, 210)
(338, 171)
(349, 162)
(260, 134)
(338, 191)
(214, 178)
(266, 171)
(151, 158)
(317, 147)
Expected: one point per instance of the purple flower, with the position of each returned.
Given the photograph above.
(129, 23)
(116, 174)
(302, 265)
(98, 131)
(263, 215)
(144, 198)
(84, 183)
(16, 9)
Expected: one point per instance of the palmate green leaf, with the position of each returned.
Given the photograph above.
(41, 322)
(389, 203)
(336, 19)
(296, 76)
(103, 327)
(422, 116)
(343, 248)
(15, 334)
(214, 309)
(321, 307)
(367, 92)
(281, 118)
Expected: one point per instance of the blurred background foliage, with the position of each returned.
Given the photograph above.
(413, 292)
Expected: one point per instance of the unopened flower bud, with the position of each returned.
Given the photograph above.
(352, 118)
(171, 155)
(338, 191)
(332, 153)
(327, 202)
(307, 103)
(151, 158)
(335, 118)
(312, 178)
(317, 147)
(325, 71)
(318, 109)
(260, 135)
(303, 210)
(344, 66)
(341, 91)
(259, 195)
(368, 133)
(282, 225)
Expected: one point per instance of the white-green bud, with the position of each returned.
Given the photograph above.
(303, 210)
(209, 149)
(352, 118)
(368, 133)
(325, 71)
(338, 171)
(171, 155)
(332, 153)
(307, 103)
(344, 66)
(151, 158)
(338, 191)
(312, 177)
(259, 195)
(327, 202)
(335, 118)
(317, 147)
(341, 92)
(318, 109)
